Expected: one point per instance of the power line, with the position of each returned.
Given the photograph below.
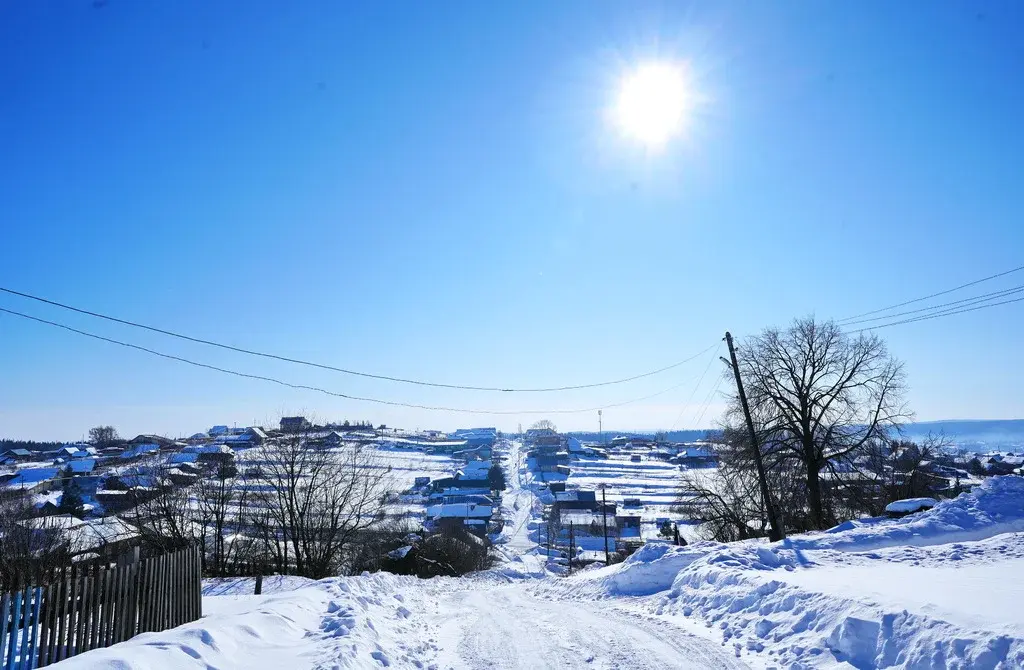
(317, 389)
(356, 373)
(694, 391)
(950, 312)
(970, 301)
(707, 403)
(933, 295)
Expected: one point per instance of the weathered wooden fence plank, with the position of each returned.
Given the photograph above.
(89, 607)
(45, 626)
(5, 613)
(12, 638)
(146, 588)
(176, 588)
(94, 609)
(110, 607)
(67, 582)
(81, 612)
(26, 623)
(31, 656)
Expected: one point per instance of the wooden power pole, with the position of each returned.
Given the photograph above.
(777, 532)
(604, 522)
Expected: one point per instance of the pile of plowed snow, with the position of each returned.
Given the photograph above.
(357, 622)
(939, 589)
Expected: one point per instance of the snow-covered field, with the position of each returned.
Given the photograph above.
(936, 589)
(656, 484)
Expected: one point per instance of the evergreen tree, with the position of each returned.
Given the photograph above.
(496, 477)
(71, 501)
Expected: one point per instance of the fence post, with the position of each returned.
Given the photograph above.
(5, 610)
(198, 588)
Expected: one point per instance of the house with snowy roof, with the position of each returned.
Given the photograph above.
(83, 466)
(469, 516)
(33, 480)
(294, 424)
(17, 456)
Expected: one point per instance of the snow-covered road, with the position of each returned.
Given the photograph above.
(520, 508)
(516, 627)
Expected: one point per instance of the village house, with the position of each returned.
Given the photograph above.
(33, 480)
(533, 434)
(294, 424)
(18, 456)
(468, 516)
(160, 441)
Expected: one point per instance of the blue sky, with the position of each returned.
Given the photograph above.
(435, 191)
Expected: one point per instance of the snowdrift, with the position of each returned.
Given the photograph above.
(345, 622)
(994, 507)
(932, 590)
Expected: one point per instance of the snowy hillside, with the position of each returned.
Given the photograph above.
(937, 589)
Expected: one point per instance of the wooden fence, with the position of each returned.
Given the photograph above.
(97, 606)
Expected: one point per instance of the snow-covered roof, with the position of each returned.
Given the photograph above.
(911, 505)
(41, 499)
(140, 450)
(460, 511)
(82, 466)
(95, 533)
(399, 553)
(29, 477)
(184, 457)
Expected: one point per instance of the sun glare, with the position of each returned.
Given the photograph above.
(654, 103)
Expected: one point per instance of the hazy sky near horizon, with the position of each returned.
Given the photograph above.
(435, 191)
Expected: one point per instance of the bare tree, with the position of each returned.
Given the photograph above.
(165, 515)
(220, 508)
(315, 501)
(29, 545)
(727, 500)
(544, 424)
(820, 396)
(103, 436)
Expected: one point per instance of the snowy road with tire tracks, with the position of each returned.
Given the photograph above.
(516, 627)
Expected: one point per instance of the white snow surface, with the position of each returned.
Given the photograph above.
(935, 590)
(909, 505)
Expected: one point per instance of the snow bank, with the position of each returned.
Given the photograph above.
(346, 622)
(651, 569)
(875, 593)
(800, 626)
(269, 634)
(929, 591)
(993, 508)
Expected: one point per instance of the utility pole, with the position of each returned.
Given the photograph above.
(572, 547)
(777, 531)
(600, 428)
(604, 522)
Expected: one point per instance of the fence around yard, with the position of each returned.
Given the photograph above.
(97, 606)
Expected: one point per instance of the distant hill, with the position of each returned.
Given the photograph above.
(671, 436)
(972, 435)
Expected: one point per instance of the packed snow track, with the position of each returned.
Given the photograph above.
(382, 620)
(513, 627)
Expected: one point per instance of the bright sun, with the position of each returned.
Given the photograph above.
(655, 101)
